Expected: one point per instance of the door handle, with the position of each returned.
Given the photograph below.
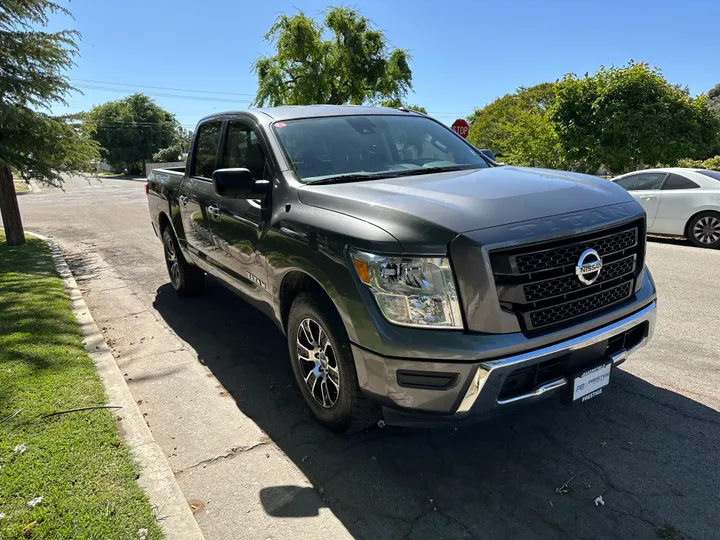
(649, 198)
(214, 211)
(183, 200)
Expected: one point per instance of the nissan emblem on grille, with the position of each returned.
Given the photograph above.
(589, 266)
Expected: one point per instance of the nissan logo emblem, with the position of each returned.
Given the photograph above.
(589, 266)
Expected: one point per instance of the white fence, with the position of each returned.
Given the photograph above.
(150, 166)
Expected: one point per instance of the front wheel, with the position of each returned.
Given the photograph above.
(704, 230)
(186, 279)
(324, 367)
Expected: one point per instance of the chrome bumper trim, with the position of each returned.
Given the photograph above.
(579, 342)
(620, 356)
(547, 387)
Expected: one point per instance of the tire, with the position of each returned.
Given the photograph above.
(345, 408)
(704, 230)
(185, 278)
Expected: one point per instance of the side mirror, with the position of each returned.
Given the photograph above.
(488, 153)
(239, 184)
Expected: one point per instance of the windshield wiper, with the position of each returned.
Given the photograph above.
(343, 178)
(431, 170)
(390, 174)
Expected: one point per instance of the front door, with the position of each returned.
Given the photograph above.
(196, 192)
(645, 189)
(240, 223)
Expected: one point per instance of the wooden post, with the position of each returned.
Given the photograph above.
(9, 209)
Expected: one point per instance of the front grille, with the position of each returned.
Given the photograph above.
(589, 304)
(564, 255)
(553, 287)
(538, 282)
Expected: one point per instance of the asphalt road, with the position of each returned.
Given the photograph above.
(648, 446)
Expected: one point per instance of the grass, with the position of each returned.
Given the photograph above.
(76, 462)
(21, 186)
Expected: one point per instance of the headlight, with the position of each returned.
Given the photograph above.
(411, 291)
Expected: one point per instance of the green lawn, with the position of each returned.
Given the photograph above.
(76, 462)
(21, 186)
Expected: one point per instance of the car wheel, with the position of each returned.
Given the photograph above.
(324, 367)
(186, 279)
(704, 230)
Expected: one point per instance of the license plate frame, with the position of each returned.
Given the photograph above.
(590, 383)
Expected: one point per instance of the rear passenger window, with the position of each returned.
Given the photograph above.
(208, 140)
(675, 181)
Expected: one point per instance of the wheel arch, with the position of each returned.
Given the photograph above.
(297, 281)
(164, 222)
(696, 213)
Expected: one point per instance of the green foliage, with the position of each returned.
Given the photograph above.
(630, 117)
(76, 462)
(712, 163)
(688, 163)
(131, 130)
(32, 66)
(353, 66)
(174, 152)
(518, 129)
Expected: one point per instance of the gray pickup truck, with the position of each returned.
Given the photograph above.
(414, 277)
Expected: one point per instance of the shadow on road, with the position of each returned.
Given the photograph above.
(651, 454)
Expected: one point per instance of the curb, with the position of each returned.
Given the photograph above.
(156, 477)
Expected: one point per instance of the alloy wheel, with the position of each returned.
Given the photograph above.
(707, 230)
(171, 259)
(318, 363)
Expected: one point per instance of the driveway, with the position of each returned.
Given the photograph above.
(648, 448)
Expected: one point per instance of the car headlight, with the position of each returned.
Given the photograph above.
(411, 291)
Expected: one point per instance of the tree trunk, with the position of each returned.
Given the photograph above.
(9, 209)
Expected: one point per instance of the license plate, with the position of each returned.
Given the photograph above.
(590, 384)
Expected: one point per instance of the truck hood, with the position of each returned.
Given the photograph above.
(428, 211)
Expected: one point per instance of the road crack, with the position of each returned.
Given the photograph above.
(234, 452)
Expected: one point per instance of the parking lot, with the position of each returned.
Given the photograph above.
(640, 462)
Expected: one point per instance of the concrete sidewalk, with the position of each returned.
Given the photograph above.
(236, 480)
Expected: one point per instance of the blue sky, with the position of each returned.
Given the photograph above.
(465, 52)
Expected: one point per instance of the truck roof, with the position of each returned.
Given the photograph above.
(292, 112)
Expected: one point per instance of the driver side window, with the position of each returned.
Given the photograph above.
(641, 182)
(243, 151)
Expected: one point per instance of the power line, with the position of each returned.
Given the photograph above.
(158, 94)
(164, 88)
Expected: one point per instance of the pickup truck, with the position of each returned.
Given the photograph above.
(415, 278)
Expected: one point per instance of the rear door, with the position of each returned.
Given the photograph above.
(679, 198)
(645, 188)
(241, 222)
(196, 192)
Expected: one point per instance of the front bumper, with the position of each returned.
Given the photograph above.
(427, 392)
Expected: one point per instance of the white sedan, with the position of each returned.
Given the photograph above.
(678, 202)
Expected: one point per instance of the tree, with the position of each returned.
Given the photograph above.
(131, 130)
(714, 98)
(174, 152)
(518, 129)
(629, 118)
(32, 142)
(353, 66)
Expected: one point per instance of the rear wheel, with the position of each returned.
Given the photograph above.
(324, 367)
(186, 279)
(704, 230)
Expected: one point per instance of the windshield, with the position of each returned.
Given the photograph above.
(372, 146)
(711, 174)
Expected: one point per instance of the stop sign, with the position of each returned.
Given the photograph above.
(460, 126)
